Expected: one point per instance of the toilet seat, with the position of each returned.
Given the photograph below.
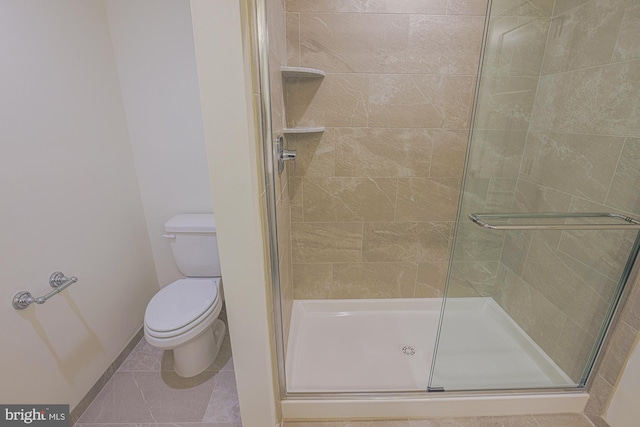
(182, 306)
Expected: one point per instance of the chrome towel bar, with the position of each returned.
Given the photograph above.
(482, 219)
(57, 280)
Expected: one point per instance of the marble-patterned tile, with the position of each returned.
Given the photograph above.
(444, 44)
(379, 152)
(150, 397)
(599, 393)
(603, 101)
(277, 94)
(622, 194)
(431, 279)
(515, 45)
(497, 55)
(286, 298)
(496, 153)
(420, 101)
(582, 165)
(283, 215)
(601, 284)
(120, 401)
(527, 44)
(500, 195)
(427, 199)
(516, 248)
(549, 275)
(223, 405)
(565, 5)
(475, 243)
(473, 278)
(549, 109)
(448, 154)
(333, 101)
(293, 39)
(373, 280)
(277, 30)
(606, 251)
(562, 420)
(342, 42)
(474, 195)
(467, 7)
(171, 398)
(539, 318)
(326, 242)
(532, 197)
(312, 281)
(430, 7)
(573, 350)
(627, 46)
(505, 102)
(296, 198)
(144, 357)
(330, 6)
(618, 351)
(349, 199)
(583, 37)
(631, 312)
(315, 154)
(436, 7)
(406, 241)
(522, 7)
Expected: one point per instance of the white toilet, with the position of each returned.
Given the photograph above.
(183, 316)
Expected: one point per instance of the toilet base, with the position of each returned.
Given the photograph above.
(197, 355)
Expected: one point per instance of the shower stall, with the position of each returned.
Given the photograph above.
(452, 191)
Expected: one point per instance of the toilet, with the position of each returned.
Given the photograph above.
(183, 316)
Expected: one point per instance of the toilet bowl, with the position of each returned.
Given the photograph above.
(183, 316)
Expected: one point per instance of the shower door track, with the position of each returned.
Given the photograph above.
(327, 406)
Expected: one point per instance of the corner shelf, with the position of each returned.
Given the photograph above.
(303, 130)
(297, 72)
(302, 73)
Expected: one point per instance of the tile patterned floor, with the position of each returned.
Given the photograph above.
(146, 392)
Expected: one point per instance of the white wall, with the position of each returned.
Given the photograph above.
(153, 44)
(227, 107)
(70, 202)
(624, 410)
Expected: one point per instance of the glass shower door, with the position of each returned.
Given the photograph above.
(546, 234)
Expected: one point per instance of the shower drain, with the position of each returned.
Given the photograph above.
(408, 350)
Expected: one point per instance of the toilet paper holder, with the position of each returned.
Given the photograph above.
(57, 280)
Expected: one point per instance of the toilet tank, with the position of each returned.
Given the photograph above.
(194, 244)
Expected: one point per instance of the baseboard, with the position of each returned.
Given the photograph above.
(104, 378)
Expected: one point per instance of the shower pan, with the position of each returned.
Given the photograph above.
(456, 221)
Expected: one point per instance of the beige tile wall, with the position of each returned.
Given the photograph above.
(374, 198)
(515, 46)
(580, 155)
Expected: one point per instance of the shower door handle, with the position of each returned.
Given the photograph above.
(626, 222)
(284, 155)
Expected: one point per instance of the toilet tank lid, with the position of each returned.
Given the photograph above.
(191, 223)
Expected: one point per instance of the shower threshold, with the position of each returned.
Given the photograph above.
(387, 345)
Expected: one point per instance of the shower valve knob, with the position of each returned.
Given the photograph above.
(289, 155)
